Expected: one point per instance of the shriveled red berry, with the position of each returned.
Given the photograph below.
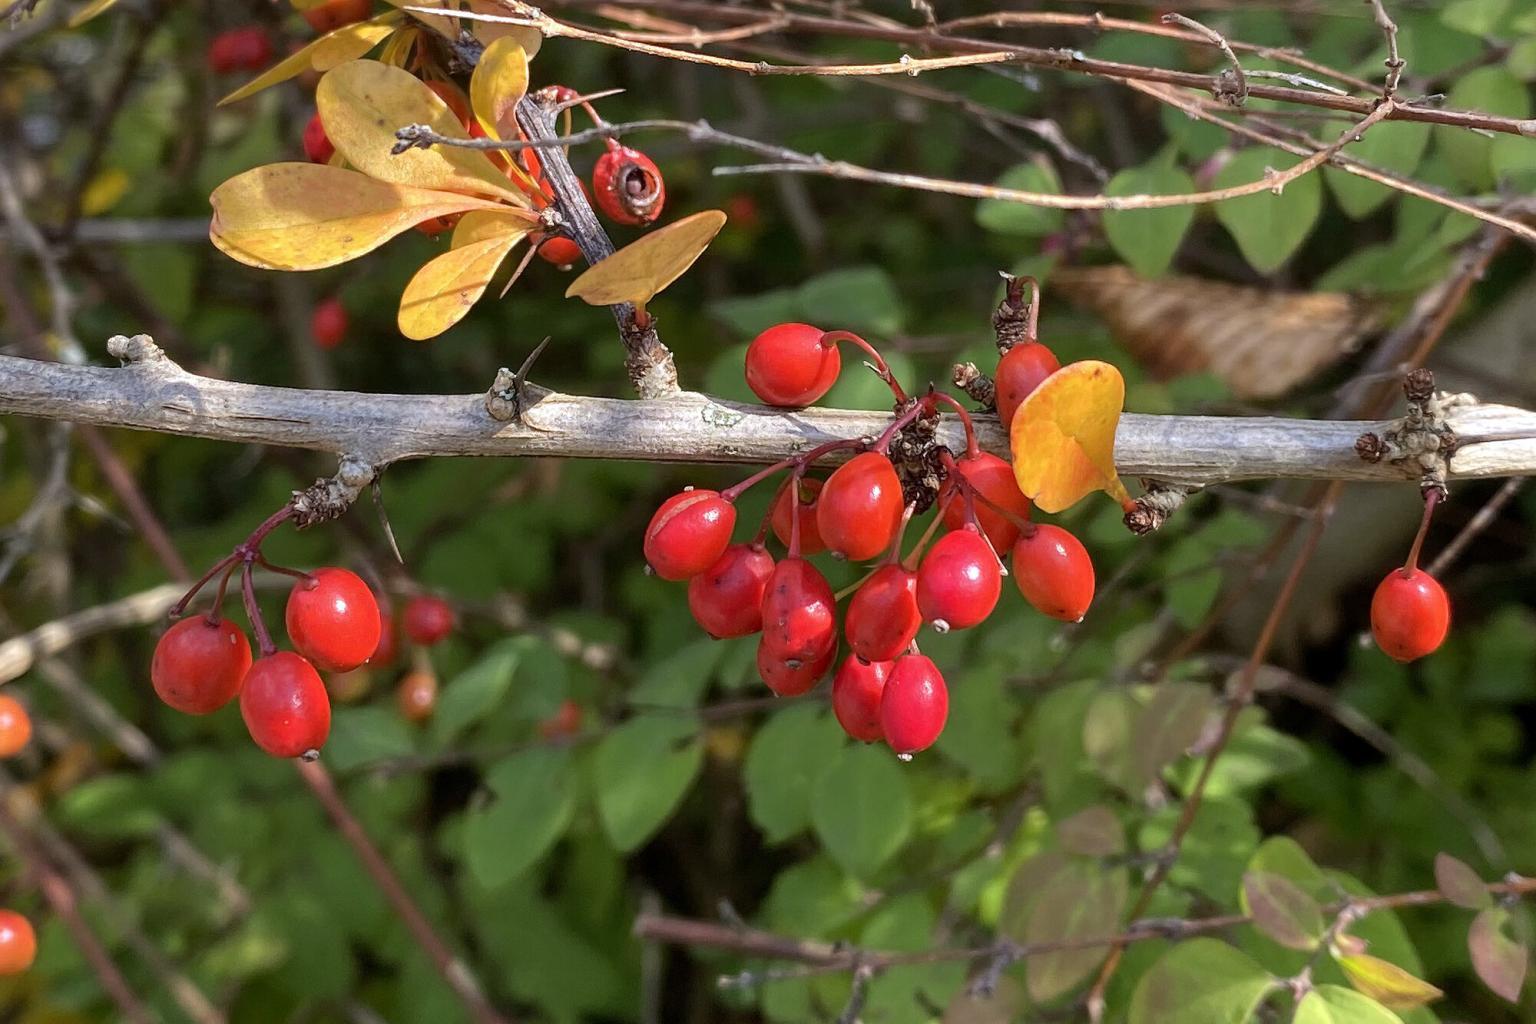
(789, 676)
(860, 507)
(1020, 371)
(993, 479)
(333, 619)
(328, 323)
(331, 15)
(566, 721)
(689, 533)
(1410, 614)
(883, 617)
(727, 598)
(799, 612)
(317, 144)
(198, 665)
(914, 706)
(285, 706)
(15, 725)
(810, 536)
(389, 642)
(856, 692)
(417, 696)
(789, 367)
(18, 943)
(427, 619)
(559, 250)
(240, 49)
(959, 581)
(1053, 572)
(627, 185)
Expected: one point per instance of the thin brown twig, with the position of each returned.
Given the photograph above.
(1394, 62)
(1476, 525)
(1237, 93)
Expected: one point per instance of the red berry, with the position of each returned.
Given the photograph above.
(799, 613)
(883, 617)
(559, 250)
(456, 101)
(860, 507)
(727, 598)
(915, 704)
(16, 724)
(1020, 371)
(328, 323)
(1410, 614)
(993, 479)
(333, 619)
(333, 14)
(317, 144)
(1053, 572)
(417, 696)
(689, 533)
(240, 49)
(285, 706)
(427, 619)
(199, 665)
(18, 943)
(627, 185)
(856, 692)
(788, 366)
(434, 226)
(787, 676)
(810, 537)
(389, 642)
(959, 581)
(566, 721)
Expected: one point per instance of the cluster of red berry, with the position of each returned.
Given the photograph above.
(18, 943)
(885, 688)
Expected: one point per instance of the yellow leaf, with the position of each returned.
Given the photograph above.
(640, 270)
(443, 290)
(90, 11)
(336, 47)
(528, 37)
(499, 81)
(1063, 436)
(363, 102)
(397, 52)
(302, 216)
(104, 191)
(442, 25)
(485, 224)
(1387, 983)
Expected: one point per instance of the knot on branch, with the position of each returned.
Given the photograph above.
(1422, 442)
(1153, 508)
(915, 452)
(327, 498)
(977, 385)
(648, 361)
(413, 136)
(140, 348)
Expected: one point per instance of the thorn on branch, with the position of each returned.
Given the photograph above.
(140, 348)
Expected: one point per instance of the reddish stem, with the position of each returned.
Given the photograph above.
(1431, 499)
(803, 460)
(907, 513)
(914, 556)
(880, 366)
(253, 612)
(217, 611)
(972, 447)
(948, 460)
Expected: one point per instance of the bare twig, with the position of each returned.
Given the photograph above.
(1394, 62)
(1232, 91)
(1476, 525)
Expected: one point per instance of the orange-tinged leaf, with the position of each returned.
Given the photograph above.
(335, 47)
(528, 37)
(499, 81)
(363, 102)
(302, 216)
(443, 290)
(1387, 983)
(1063, 436)
(640, 270)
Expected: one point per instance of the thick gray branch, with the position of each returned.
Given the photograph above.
(153, 393)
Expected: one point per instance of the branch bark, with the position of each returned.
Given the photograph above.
(153, 393)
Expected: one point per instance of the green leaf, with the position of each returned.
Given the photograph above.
(1392, 145)
(474, 692)
(1202, 981)
(642, 769)
(1459, 883)
(1108, 738)
(782, 765)
(1056, 735)
(1283, 856)
(1386, 982)
(1475, 17)
(861, 809)
(1030, 881)
(1168, 726)
(1148, 239)
(680, 680)
(1334, 1004)
(364, 735)
(1268, 228)
(812, 898)
(1498, 959)
(1092, 832)
(853, 299)
(1219, 844)
(1083, 901)
(1256, 756)
(1017, 218)
(109, 806)
(1282, 910)
(980, 733)
(535, 798)
(1494, 90)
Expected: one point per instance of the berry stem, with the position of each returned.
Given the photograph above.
(1431, 499)
(879, 365)
(972, 447)
(216, 612)
(253, 611)
(796, 461)
(948, 460)
(910, 562)
(901, 531)
(179, 607)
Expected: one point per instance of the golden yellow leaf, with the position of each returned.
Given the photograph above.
(442, 25)
(443, 290)
(484, 224)
(640, 270)
(397, 52)
(1387, 983)
(90, 11)
(302, 216)
(499, 81)
(336, 47)
(104, 191)
(363, 102)
(528, 37)
(1063, 436)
